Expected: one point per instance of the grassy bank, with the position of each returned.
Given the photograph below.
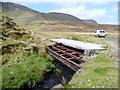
(24, 65)
(24, 58)
(28, 71)
(101, 72)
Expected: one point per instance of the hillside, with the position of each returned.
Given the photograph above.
(90, 21)
(24, 14)
(53, 16)
(21, 13)
(53, 21)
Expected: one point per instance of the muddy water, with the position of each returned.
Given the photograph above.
(55, 78)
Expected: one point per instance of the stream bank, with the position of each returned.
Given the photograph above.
(56, 79)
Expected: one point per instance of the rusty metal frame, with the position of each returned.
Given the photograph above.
(67, 56)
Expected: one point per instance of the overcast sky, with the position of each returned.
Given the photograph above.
(103, 11)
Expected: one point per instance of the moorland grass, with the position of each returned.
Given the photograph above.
(98, 73)
(27, 72)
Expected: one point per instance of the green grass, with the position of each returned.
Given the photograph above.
(74, 36)
(112, 35)
(87, 38)
(10, 41)
(28, 72)
(102, 58)
(0, 78)
(98, 73)
(24, 60)
(101, 71)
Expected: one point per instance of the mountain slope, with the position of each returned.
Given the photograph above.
(60, 17)
(24, 14)
(90, 21)
(53, 21)
(20, 13)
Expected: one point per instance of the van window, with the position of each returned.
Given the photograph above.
(103, 31)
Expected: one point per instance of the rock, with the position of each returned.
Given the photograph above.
(59, 87)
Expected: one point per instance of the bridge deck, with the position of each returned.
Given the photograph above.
(68, 56)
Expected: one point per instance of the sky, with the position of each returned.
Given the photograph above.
(103, 11)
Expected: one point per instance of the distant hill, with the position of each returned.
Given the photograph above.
(24, 14)
(60, 17)
(90, 21)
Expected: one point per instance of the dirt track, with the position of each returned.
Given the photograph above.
(113, 42)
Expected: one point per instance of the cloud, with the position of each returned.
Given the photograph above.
(98, 1)
(96, 13)
(83, 13)
(76, 11)
(101, 15)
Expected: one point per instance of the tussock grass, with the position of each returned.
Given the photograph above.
(28, 72)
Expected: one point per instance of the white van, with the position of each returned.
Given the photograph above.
(100, 33)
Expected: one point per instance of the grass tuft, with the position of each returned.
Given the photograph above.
(102, 58)
(101, 71)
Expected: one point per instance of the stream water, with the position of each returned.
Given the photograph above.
(55, 78)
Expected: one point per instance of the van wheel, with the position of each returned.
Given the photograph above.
(98, 36)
